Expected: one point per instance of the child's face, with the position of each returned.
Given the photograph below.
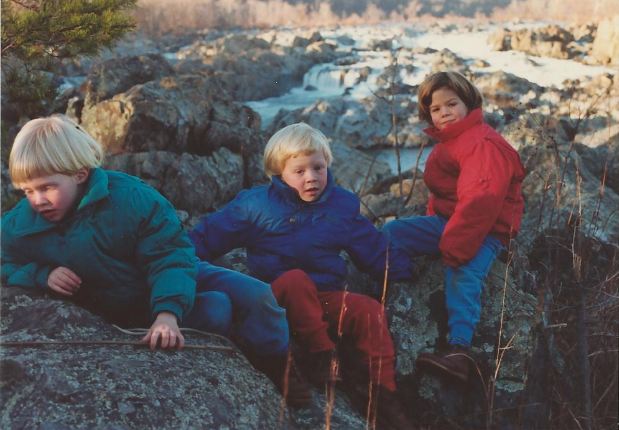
(307, 174)
(446, 108)
(54, 196)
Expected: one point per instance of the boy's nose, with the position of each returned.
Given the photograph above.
(39, 199)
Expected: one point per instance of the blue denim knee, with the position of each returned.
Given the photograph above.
(212, 311)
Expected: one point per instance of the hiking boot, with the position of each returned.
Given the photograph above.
(283, 371)
(455, 362)
(323, 368)
(389, 411)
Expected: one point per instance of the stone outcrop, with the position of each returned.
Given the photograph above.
(606, 44)
(355, 170)
(361, 124)
(562, 188)
(251, 68)
(418, 321)
(448, 60)
(125, 387)
(505, 90)
(550, 41)
(115, 76)
(196, 184)
(184, 113)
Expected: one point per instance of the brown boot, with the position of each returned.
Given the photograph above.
(282, 370)
(389, 411)
(455, 362)
(323, 368)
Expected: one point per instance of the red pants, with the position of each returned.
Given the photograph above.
(311, 313)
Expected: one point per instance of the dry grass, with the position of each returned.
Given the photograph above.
(567, 11)
(158, 17)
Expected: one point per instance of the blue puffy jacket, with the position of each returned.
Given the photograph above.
(281, 232)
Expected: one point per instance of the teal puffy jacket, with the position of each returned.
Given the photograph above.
(124, 241)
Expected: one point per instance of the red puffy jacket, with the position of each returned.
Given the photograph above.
(474, 177)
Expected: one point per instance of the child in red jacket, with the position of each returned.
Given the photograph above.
(475, 207)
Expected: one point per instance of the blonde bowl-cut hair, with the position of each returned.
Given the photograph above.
(292, 140)
(52, 145)
(466, 91)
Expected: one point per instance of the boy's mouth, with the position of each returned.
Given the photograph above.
(47, 213)
(311, 193)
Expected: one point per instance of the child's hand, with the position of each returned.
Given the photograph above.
(165, 329)
(64, 281)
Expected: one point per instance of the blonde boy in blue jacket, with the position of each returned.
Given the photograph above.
(294, 230)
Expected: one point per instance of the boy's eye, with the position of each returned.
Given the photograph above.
(299, 172)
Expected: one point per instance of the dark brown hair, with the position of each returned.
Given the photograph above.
(467, 92)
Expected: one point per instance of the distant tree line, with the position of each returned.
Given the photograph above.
(437, 8)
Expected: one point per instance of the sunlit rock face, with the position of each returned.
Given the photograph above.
(606, 43)
(118, 386)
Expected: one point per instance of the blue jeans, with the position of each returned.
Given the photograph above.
(222, 292)
(420, 235)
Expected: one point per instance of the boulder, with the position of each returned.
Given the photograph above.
(120, 386)
(355, 170)
(321, 52)
(300, 42)
(448, 60)
(603, 161)
(500, 40)
(504, 343)
(251, 68)
(123, 387)
(606, 44)
(115, 76)
(549, 41)
(561, 190)
(183, 113)
(504, 89)
(363, 124)
(196, 184)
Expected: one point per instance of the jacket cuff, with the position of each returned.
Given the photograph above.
(42, 276)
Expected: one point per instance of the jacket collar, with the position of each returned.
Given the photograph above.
(290, 195)
(475, 117)
(32, 222)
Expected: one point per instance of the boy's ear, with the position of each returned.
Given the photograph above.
(81, 175)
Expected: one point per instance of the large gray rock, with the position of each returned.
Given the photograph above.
(356, 170)
(550, 41)
(505, 89)
(561, 189)
(251, 68)
(448, 60)
(361, 124)
(120, 387)
(115, 76)
(606, 44)
(127, 387)
(185, 113)
(193, 183)
(504, 342)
